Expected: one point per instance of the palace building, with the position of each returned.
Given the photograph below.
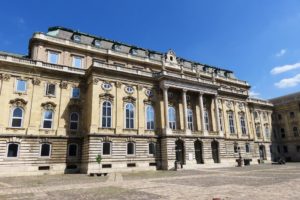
(77, 99)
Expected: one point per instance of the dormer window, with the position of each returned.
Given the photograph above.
(151, 55)
(134, 51)
(97, 43)
(77, 38)
(171, 58)
(117, 47)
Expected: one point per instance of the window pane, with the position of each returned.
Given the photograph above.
(12, 150)
(151, 148)
(45, 151)
(47, 124)
(130, 148)
(75, 93)
(50, 89)
(77, 62)
(21, 86)
(104, 122)
(108, 122)
(73, 125)
(53, 57)
(72, 150)
(48, 115)
(16, 123)
(106, 148)
(18, 112)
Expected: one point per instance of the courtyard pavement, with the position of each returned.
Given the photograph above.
(252, 182)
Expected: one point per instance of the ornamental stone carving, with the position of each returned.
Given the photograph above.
(118, 84)
(18, 102)
(48, 105)
(5, 77)
(106, 139)
(106, 97)
(36, 81)
(96, 81)
(130, 139)
(63, 85)
(14, 140)
(129, 99)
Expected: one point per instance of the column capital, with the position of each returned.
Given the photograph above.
(164, 87)
(201, 93)
(184, 90)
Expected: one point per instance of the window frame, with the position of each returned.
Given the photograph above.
(130, 119)
(47, 85)
(74, 57)
(151, 125)
(50, 150)
(249, 148)
(154, 143)
(106, 117)
(49, 56)
(77, 150)
(231, 123)
(52, 120)
(110, 149)
(295, 131)
(190, 119)
(172, 124)
(243, 124)
(16, 86)
(12, 117)
(134, 149)
(73, 121)
(206, 120)
(72, 90)
(7, 150)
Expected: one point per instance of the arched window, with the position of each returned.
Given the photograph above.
(48, 119)
(206, 120)
(74, 121)
(231, 122)
(130, 148)
(190, 119)
(243, 124)
(106, 114)
(45, 150)
(295, 131)
(17, 117)
(13, 150)
(172, 118)
(257, 129)
(129, 115)
(150, 117)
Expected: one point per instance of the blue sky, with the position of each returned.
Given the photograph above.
(258, 40)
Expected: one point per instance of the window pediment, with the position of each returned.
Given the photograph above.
(18, 102)
(13, 140)
(129, 99)
(106, 96)
(48, 105)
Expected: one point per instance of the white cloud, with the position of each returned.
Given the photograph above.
(288, 82)
(281, 53)
(254, 94)
(285, 68)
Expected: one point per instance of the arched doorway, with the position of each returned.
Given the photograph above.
(198, 152)
(180, 154)
(262, 152)
(215, 151)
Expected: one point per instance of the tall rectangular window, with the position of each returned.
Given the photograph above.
(53, 57)
(12, 150)
(75, 93)
(77, 62)
(231, 122)
(21, 85)
(106, 149)
(45, 150)
(50, 89)
(48, 118)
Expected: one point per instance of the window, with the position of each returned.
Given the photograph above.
(106, 114)
(74, 121)
(172, 118)
(267, 131)
(257, 130)
(45, 150)
(221, 119)
(134, 51)
(21, 86)
(17, 118)
(292, 115)
(130, 148)
(236, 148)
(77, 61)
(295, 131)
(48, 119)
(106, 148)
(12, 150)
(152, 148)
(53, 57)
(72, 150)
(129, 89)
(231, 122)
(76, 38)
(243, 124)
(264, 116)
(255, 115)
(282, 132)
(97, 43)
(106, 86)
(129, 115)
(50, 89)
(285, 149)
(206, 120)
(150, 117)
(190, 119)
(247, 147)
(75, 93)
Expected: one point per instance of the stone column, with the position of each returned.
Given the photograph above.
(166, 106)
(217, 116)
(185, 116)
(204, 131)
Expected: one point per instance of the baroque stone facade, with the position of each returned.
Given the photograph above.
(77, 99)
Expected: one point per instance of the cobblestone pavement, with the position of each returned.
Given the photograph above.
(253, 182)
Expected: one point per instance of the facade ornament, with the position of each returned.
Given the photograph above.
(18, 102)
(148, 92)
(118, 84)
(140, 87)
(106, 86)
(129, 89)
(152, 140)
(229, 104)
(36, 81)
(241, 106)
(48, 105)
(13, 140)
(129, 99)
(5, 77)
(106, 139)
(130, 139)
(96, 81)
(106, 96)
(63, 85)
(45, 140)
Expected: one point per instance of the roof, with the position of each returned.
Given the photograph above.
(53, 28)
